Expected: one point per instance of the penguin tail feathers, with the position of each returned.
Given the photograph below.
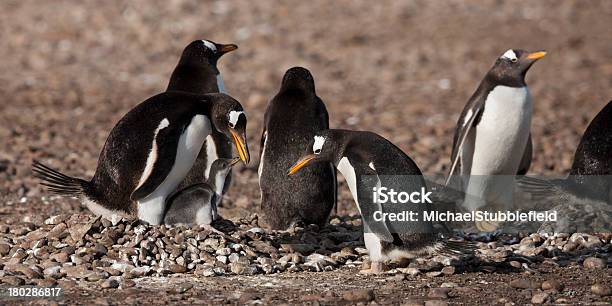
(58, 182)
(538, 188)
(454, 248)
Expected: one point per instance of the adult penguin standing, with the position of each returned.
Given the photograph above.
(493, 136)
(149, 152)
(292, 118)
(197, 72)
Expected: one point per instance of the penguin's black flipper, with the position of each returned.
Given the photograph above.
(166, 144)
(367, 206)
(467, 120)
(526, 159)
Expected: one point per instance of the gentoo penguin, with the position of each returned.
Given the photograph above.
(367, 160)
(197, 72)
(149, 152)
(292, 118)
(591, 174)
(492, 135)
(196, 204)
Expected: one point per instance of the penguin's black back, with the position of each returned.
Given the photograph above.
(124, 155)
(292, 118)
(594, 153)
(397, 171)
(592, 166)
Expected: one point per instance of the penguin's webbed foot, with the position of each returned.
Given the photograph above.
(376, 267)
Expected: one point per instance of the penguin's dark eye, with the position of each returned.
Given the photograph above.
(514, 60)
(231, 125)
(317, 151)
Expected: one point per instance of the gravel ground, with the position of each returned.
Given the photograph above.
(404, 69)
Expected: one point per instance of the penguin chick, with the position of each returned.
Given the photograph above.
(196, 204)
(367, 160)
(149, 152)
(492, 137)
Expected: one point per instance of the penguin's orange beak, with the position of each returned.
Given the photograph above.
(241, 147)
(227, 48)
(536, 55)
(301, 163)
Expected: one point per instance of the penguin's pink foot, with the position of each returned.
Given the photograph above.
(376, 267)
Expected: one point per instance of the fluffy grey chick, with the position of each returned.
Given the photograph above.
(197, 204)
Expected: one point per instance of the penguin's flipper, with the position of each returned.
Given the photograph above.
(467, 120)
(162, 156)
(526, 160)
(369, 179)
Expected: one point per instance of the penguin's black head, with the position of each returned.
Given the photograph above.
(200, 52)
(229, 119)
(298, 78)
(511, 67)
(325, 146)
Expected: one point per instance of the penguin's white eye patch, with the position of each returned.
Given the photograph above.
(233, 118)
(210, 45)
(318, 144)
(510, 55)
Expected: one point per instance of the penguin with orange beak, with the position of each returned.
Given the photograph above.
(492, 141)
(149, 152)
(368, 161)
(197, 72)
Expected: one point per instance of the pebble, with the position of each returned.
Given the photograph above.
(5, 248)
(601, 289)
(53, 272)
(238, 268)
(439, 293)
(450, 270)
(594, 263)
(128, 283)
(360, 295)
(110, 284)
(552, 284)
(87, 248)
(524, 284)
(436, 303)
(540, 298)
(46, 282)
(13, 281)
(174, 268)
(140, 271)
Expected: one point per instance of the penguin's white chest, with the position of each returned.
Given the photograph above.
(347, 170)
(503, 130)
(371, 240)
(152, 207)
